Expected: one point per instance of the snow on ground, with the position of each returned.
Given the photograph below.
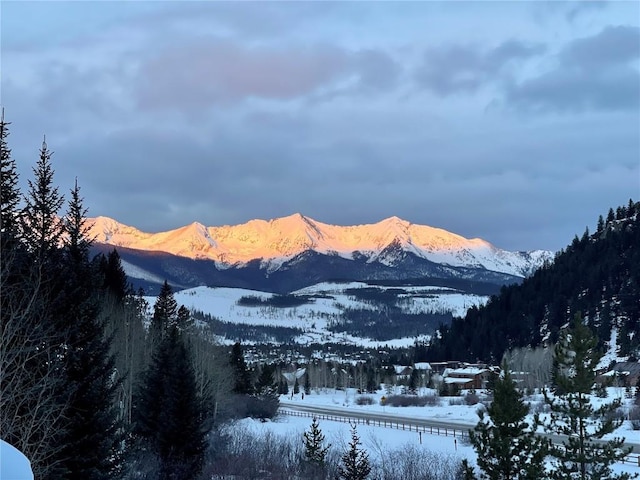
(330, 301)
(13, 464)
(375, 438)
(611, 355)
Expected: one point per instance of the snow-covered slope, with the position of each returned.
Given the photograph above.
(330, 300)
(276, 241)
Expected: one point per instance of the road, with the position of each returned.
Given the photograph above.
(376, 416)
(424, 424)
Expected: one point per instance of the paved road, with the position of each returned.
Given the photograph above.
(426, 423)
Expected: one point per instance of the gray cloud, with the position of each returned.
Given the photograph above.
(579, 8)
(464, 69)
(214, 72)
(262, 122)
(593, 73)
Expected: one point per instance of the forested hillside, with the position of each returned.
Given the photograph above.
(597, 275)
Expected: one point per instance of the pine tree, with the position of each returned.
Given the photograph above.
(165, 312)
(168, 414)
(315, 450)
(184, 321)
(241, 377)
(114, 277)
(355, 461)
(506, 445)
(265, 383)
(39, 220)
(296, 387)
(264, 402)
(9, 192)
(90, 437)
(31, 377)
(414, 382)
(581, 456)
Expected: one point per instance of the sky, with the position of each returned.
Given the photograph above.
(516, 122)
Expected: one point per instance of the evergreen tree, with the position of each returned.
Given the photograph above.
(264, 402)
(168, 414)
(31, 377)
(296, 387)
(265, 383)
(9, 192)
(165, 312)
(41, 229)
(506, 445)
(114, 277)
(315, 450)
(414, 382)
(355, 461)
(184, 320)
(241, 377)
(581, 455)
(90, 441)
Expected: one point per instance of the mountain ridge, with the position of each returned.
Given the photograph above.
(277, 241)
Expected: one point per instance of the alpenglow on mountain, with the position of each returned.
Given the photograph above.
(287, 244)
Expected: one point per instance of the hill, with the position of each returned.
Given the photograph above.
(597, 275)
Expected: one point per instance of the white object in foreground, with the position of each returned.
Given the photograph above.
(13, 464)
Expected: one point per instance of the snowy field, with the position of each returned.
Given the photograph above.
(330, 300)
(376, 439)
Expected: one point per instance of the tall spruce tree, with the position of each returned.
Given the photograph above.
(315, 450)
(31, 374)
(582, 455)
(90, 437)
(506, 444)
(264, 402)
(165, 312)
(355, 461)
(241, 375)
(9, 192)
(168, 414)
(41, 228)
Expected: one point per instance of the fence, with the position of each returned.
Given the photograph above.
(397, 424)
(632, 458)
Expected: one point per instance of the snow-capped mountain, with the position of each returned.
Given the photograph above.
(289, 253)
(277, 241)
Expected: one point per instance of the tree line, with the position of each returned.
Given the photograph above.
(598, 275)
(89, 391)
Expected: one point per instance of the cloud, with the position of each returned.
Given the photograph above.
(577, 9)
(202, 74)
(592, 73)
(457, 69)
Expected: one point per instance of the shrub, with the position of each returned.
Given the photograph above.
(411, 400)
(471, 398)
(413, 463)
(364, 400)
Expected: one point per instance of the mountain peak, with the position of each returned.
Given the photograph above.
(279, 239)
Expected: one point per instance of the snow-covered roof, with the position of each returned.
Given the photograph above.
(450, 380)
(423, 365)
(400, 369)
(465, 371)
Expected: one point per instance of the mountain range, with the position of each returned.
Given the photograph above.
(288, 253)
